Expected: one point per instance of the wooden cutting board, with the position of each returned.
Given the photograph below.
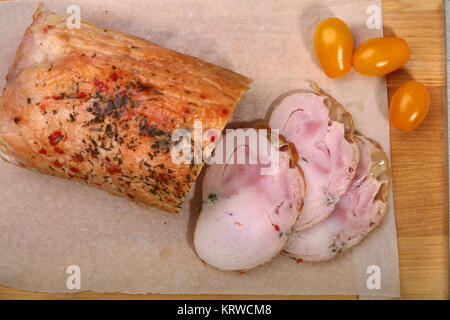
(420, 158)
(419, 162)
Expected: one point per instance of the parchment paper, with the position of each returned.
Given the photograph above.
(48, 224)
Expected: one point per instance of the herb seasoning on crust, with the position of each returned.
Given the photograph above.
(100, 109)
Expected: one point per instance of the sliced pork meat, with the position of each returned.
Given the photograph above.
(358, 212)
(246, 214)
(322, 132)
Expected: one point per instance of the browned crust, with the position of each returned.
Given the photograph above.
(379, 170)
(179, 89)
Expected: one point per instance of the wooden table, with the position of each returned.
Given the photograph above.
(419, 162)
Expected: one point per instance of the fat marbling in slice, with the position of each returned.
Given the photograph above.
(246, 217)
(358, 212)
(322, 132)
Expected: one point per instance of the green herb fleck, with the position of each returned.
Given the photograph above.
(212, 197)
(331, 200)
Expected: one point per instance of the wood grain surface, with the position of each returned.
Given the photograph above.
(420, 157)
(419, 162)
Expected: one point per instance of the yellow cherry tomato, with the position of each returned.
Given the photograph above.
(409, 105)
(333, 44)
(380, 56)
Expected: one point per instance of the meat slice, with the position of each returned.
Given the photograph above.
(99, 106)
(247, 216)
(358, 212)
(322, 132)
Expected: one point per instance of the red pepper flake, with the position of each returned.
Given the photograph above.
(277, 227)
(42, 106)
(225, 111)
(73, 169)
(57, 164)
(71, 175)
(165, 177)
(97, 184)
(59, 150)
(49, 27)
(242, 272)
(114, 76)
(46, 98)
(114, 170)
(213, 138)
(57, 97)
(299, 260)
(85, 178)
(101, 85)
(81, 94)
(185, 109)
(202, 96)
(42, 151)
(78, 159)
(123, 93)
(55, 137)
